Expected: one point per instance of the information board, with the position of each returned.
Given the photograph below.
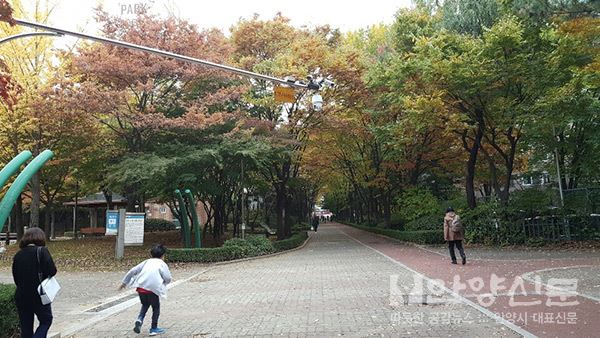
(134, 228)
(112, 222)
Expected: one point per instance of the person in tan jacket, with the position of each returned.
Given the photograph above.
(454, 233)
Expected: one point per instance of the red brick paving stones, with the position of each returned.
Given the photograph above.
(543, 320)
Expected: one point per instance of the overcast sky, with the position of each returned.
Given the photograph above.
(346, 15)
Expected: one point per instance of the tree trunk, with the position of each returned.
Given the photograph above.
(280, 210)
(52, 223)
(108, 197)
(387, 206)
(34, 216)
(471, 166)
(47, 228)
(18, 210)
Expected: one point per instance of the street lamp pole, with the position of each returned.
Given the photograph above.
(75, 209)
(60, 32)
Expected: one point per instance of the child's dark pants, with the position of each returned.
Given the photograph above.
(148, 300)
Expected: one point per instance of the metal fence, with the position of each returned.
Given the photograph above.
(562, 228)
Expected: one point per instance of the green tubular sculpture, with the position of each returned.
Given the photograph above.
(184, 219)
(21, 181)
(195, 220)
(12, 166)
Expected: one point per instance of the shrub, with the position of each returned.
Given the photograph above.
(234, 248)
(418, 202)
(302, 226)
(9, 320)
(292, 242)
(205, 255)
(397, 221)
(157, 224)
(427, 222)
(261, 245)
(532, 201)
(491, 224)
(419, 237)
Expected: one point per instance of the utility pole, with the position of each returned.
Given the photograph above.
(243, 203)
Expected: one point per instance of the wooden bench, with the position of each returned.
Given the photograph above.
(12, 236)
(92, 231)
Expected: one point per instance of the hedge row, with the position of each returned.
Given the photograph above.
(9, 320)
(157, 224)
(235, 248)
(289, 243)
(205, 255)
(419, 237)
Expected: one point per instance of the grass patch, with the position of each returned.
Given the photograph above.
(98, 253)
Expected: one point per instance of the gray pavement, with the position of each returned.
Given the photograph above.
(332, 287)
(588, 279)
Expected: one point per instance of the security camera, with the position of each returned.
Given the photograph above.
(317, 102)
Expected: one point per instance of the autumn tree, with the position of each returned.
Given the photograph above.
(275, 47)
(28, 63)
(134, 94)
(6, 12)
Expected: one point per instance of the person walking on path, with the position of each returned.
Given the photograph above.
(32, 264)
(315, 223)
(454, 233)
(150, 278)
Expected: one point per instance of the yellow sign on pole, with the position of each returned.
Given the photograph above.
(285, 94)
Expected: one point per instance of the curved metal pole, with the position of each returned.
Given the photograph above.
(243, 72)
(12, 166)
(184, 219)
(195, 220)
(25, 35)
(19, 184)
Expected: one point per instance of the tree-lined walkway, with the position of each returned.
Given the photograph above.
(555, 319)
(334, 286)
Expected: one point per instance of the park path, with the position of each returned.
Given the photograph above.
(334, 286)
(553, 317)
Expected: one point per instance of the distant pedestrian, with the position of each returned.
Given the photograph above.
(32, 264)
(454, 233)
(150, 278)
(315, 223)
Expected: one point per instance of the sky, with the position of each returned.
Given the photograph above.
(347, 15)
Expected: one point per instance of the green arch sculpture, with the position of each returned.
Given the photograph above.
(195, 220)
(18, 185)
(184, 219)
(13, 166)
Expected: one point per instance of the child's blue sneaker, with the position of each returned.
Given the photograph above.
(138, 326)
(157, 330)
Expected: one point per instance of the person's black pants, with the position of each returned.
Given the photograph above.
(148, 300)
(459, 246)
(27, 309)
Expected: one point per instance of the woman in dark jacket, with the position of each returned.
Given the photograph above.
(25, 270)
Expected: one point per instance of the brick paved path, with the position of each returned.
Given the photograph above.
(335, 286)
